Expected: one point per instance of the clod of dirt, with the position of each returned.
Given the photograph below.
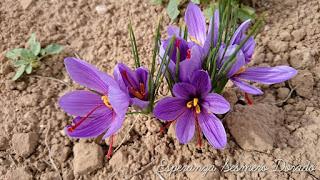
(60, 152)
(254, 127)
(67, 175)
(299, 34)
(119, 156)
(29, 100)
(87, 158)
(277, 46)
(3, 143)
(285, 36)
(283, 92)
(25, 3)
(24, 144)
(304, 83)
(301, 59)
(50, 176)
(19, 173)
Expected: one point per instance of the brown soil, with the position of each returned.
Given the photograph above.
(271, 129)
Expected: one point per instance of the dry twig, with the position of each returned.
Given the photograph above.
(49, 150)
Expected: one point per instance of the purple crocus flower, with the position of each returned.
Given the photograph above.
(190, 57)
(240, 73)
(101, 112)
(194, 106)
(239, 35)
(135, 83)
(197, 28)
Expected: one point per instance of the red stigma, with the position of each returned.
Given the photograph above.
(188, 53)
(73, 127)
(199, 135)
(109, 154)
(246, 96)
(166, 126)
(177, 43)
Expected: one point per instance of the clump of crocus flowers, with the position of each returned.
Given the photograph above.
(196, 61)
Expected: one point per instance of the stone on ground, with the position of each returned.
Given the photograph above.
(88, 157)
(24, 144)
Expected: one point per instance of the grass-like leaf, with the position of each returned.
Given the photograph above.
(134, 46)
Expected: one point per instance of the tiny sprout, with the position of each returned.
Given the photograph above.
(25, 59)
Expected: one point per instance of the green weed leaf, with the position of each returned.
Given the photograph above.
(28, 69)
(14, 53)
(27, 54)
(52, 49)
(156, 2)
(196, 1)
(34, 45)
(172, 9)
(19, 72)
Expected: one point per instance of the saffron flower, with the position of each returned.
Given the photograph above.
(193, 107)
(239, 35)
(198, 33)
(135, 83)
(190, 58)
(98, 112)
(239, 73)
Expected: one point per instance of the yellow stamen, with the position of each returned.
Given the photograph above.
(195, 40)
(189, 104)
(241, 70)
(195, 102)
(198, 109)
(106, 101)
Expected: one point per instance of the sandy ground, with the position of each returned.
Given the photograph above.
(275, 127)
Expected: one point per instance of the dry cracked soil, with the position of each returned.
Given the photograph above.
(283, 125)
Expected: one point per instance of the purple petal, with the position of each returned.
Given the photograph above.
(187, 67)
(179, 43)
(246, 87)
(196, 23)
(184, 90)
(117, 121)
(143, 77)
(95, 125)
(119, 100)
(240, 32)
(215, 103)
(209, 38)
(213, 130)
(140, 103)
(201, 80)
(87, 75)
(240, 59)
(248, 49)
(170, 108)
(126, 75)
(268, 75)
(173, 31)
(79, 103)
(185, 127)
